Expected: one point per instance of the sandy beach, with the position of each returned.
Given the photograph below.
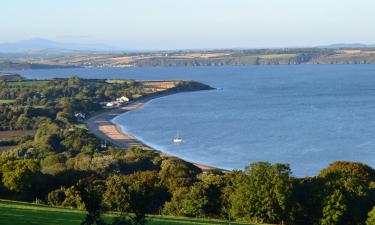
(101, 126)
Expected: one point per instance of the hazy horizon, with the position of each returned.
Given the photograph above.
(184, 24)
(26, 45)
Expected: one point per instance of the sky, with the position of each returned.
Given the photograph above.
(190, 24)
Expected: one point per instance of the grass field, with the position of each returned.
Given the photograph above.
(19, 213)
(28, 83)
(6, 101)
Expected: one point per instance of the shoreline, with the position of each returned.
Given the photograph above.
(101, 126)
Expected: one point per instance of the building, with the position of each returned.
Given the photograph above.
(123, 99)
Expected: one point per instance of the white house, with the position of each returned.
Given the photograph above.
(122, 99)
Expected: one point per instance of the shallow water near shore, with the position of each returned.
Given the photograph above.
(305, 115)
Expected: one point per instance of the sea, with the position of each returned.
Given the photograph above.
(305, 115)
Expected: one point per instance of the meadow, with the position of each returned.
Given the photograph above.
(7, 101)
(21, 213)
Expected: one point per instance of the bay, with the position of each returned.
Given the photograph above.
(304, 115)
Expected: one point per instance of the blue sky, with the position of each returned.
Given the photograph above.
(182, 24)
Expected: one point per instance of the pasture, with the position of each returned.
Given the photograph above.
(20, 213)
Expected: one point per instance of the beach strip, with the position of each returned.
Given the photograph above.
(101, 126)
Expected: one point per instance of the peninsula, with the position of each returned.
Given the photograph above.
(101, 124)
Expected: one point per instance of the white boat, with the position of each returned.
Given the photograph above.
(177, 139)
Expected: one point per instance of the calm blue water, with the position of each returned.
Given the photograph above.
(305, 115)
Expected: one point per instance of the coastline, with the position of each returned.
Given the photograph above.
(101, 125)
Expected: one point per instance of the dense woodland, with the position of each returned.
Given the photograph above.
(64, 165)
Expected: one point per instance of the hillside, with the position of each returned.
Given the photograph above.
(327, 55)
(21, 213)
(9, 76)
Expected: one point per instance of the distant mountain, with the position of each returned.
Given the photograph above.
(47, 46)
(347, 45)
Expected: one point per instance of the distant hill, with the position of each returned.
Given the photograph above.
(18, 65)
(10, 76)
(45, 45)
(347, 45)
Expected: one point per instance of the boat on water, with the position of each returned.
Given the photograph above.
(177, 139)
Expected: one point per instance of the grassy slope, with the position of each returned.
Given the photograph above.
(6, 101)
(18, 213)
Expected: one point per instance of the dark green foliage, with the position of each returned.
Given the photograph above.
(139, 193)
(188, 201)
(262, 193)
(371, 217)
(91, 195)
(73, 198)
(176, 173)
(56, 197)
(135, 159)
(306, 201)
(335, 207)
(57, 99)
(353, 182)
(23, 176)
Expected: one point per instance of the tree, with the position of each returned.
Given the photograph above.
(334, 209)
(176, 173)
(219, 188)
(354, 181)
(47, 137)
(371, 217)
(116, 197)
(63, 118)
(56, 197)
(262, 193)
(73, 199)
(91, 195)
(139, 193)
(22, 176)
(306, 201)
(53, 164)
(74, 81)
(23, 122)
(192, 202)
(352, 176)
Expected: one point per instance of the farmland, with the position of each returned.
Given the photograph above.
(15, 133)
(7, 101)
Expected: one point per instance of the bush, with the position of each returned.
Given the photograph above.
(371, 217)
(56, 197)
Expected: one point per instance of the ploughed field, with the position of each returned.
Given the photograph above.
(20, 213)
(15, 133)
(4, 135)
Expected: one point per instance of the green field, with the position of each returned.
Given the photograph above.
(28, 83)
(7, 101)
(19, 213)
